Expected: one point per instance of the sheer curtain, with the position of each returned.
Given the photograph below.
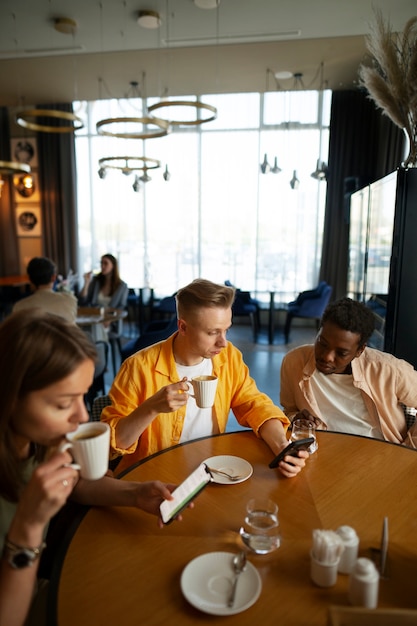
(218, 216)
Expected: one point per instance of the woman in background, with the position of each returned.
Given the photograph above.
(107, 288)
(46, 368)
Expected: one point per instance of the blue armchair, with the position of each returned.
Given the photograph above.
(155, 331)
(245, 305)
(309, 304)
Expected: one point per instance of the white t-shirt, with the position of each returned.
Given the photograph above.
(342, 406)
(198, 422)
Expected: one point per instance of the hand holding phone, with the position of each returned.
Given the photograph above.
(292, 450)
(185, 492)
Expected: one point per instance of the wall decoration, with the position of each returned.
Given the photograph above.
(24, 150)
(28, 221)
(25, 192)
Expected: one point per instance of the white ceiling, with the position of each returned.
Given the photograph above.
(194, 50)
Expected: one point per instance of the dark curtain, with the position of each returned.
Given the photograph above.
(57, 171)
(364, 146)
(9, 253)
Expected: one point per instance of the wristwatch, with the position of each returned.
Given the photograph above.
(19, 557)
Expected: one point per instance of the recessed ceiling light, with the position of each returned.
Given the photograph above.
(65, 25)
(149, 19)
(207, 4)
(283, 75)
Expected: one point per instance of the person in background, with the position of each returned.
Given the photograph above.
(46, 367)
(345, 386)
(105, 289)
(151, 408)
(42, 275)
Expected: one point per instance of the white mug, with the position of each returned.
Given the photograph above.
(204, 390)
(90, 445)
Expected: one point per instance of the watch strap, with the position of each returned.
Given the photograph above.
(13, 550)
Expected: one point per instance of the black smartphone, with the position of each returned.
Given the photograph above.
(186, 492)
(292, 449)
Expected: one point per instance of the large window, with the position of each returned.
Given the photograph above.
(218, 216)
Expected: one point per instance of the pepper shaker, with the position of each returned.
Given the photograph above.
(350, 553)
(363, 584)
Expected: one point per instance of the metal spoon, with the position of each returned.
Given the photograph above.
(222, 473)
(239, 566)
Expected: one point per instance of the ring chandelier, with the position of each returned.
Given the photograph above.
(70, 121)
(199, 106)
(160, 127)
(127, 164)
(14, 167)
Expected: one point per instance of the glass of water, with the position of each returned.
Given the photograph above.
(303, 428)
(260, 530)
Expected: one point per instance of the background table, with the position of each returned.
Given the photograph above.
(14, 281)
(87, 316)
(120, 568)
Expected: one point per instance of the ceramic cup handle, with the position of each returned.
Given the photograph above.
(67, 446)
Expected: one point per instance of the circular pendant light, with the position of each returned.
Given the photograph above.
(14, 167)
(159, 128)
(66, 122)
(128, 164)
(198, 106)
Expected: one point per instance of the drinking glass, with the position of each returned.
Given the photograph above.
(303, 428)
(260, 530)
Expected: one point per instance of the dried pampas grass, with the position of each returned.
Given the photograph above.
(392, 81)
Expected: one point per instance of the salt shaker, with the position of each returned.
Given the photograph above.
(363, 584)
(350, 553)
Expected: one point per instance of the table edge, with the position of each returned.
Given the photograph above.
(52, 603)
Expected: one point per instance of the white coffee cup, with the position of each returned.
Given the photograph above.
(89, 446)
(204, 390)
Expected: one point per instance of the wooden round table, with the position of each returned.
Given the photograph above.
(120, 568)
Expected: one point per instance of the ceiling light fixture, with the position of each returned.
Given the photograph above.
(166, 174)
(276, 169)
(294, 182)
(127, 165)
(65, 25)
(149, 19)
(52, 121)
(24, 185)
(283, 75)
(320, 173)
(298, 81)
(140, 127)
(207, 4)
(178, 104)
(8, 168)
(149, 127)
(265, 167)
(136, 185)
(181, 108)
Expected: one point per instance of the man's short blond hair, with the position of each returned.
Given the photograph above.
(202, 293)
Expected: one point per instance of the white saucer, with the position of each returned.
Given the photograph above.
(206, 583)
(233, 465)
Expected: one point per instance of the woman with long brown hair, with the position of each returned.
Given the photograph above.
(106, 288)
(46, 368)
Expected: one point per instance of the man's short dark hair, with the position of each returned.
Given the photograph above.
(351, 315)
(41, 271)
